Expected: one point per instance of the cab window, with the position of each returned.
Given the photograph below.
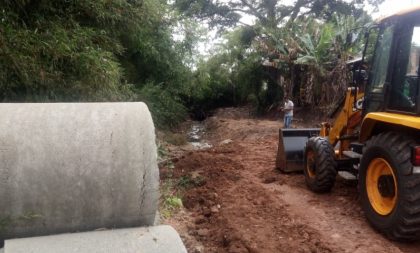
(405, 84)
(381, 60)
(378, 72)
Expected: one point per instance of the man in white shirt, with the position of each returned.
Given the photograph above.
(288, 112)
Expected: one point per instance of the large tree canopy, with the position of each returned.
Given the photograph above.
(269, 12)
(302, 46)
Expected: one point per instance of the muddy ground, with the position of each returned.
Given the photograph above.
(235, 201)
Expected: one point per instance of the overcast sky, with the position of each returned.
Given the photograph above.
(392, 6)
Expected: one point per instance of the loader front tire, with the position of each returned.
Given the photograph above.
(390, 193)
(320, 167)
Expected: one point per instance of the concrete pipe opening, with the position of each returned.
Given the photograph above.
(76, 167)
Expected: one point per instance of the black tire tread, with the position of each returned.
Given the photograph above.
(325, 165)
(406, 226)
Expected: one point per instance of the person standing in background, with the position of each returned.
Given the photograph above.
(288, 112)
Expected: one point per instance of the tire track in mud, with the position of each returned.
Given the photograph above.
(337, 216)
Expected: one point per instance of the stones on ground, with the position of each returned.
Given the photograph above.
(336, 236)
(195, 174)
(269, 180)
(200, 220)
(203, 232)
(225, 142)
(214, 209)
(198, 249)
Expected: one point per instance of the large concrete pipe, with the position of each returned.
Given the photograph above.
(76, 167)
(160, 239)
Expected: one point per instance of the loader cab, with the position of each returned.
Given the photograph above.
(393, 83)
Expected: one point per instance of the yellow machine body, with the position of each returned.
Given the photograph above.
(375, 136)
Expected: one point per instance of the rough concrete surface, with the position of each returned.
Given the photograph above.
(161, 239)
(76, 167)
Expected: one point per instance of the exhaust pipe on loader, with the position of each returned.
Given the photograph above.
(291, 149)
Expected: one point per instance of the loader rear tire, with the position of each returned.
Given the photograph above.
(390, 193)
(320, 167)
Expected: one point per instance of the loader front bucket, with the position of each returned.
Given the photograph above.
(290, 153)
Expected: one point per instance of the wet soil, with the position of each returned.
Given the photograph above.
(238, 203)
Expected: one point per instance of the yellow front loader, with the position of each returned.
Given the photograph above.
(376, 134)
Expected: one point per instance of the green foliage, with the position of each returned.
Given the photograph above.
(72, 51)
(170, 199)
(323, 50)
(188, 181)
(125, 50)
(5, 223)
(8, 221)
(55, 51)
(173, 202)
(210, 88)
(304, 43)
(234, 76)
(166, 108)
(176, 139)
(307, 53)
(162, 153)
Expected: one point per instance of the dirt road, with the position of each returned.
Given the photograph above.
(237, 202)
